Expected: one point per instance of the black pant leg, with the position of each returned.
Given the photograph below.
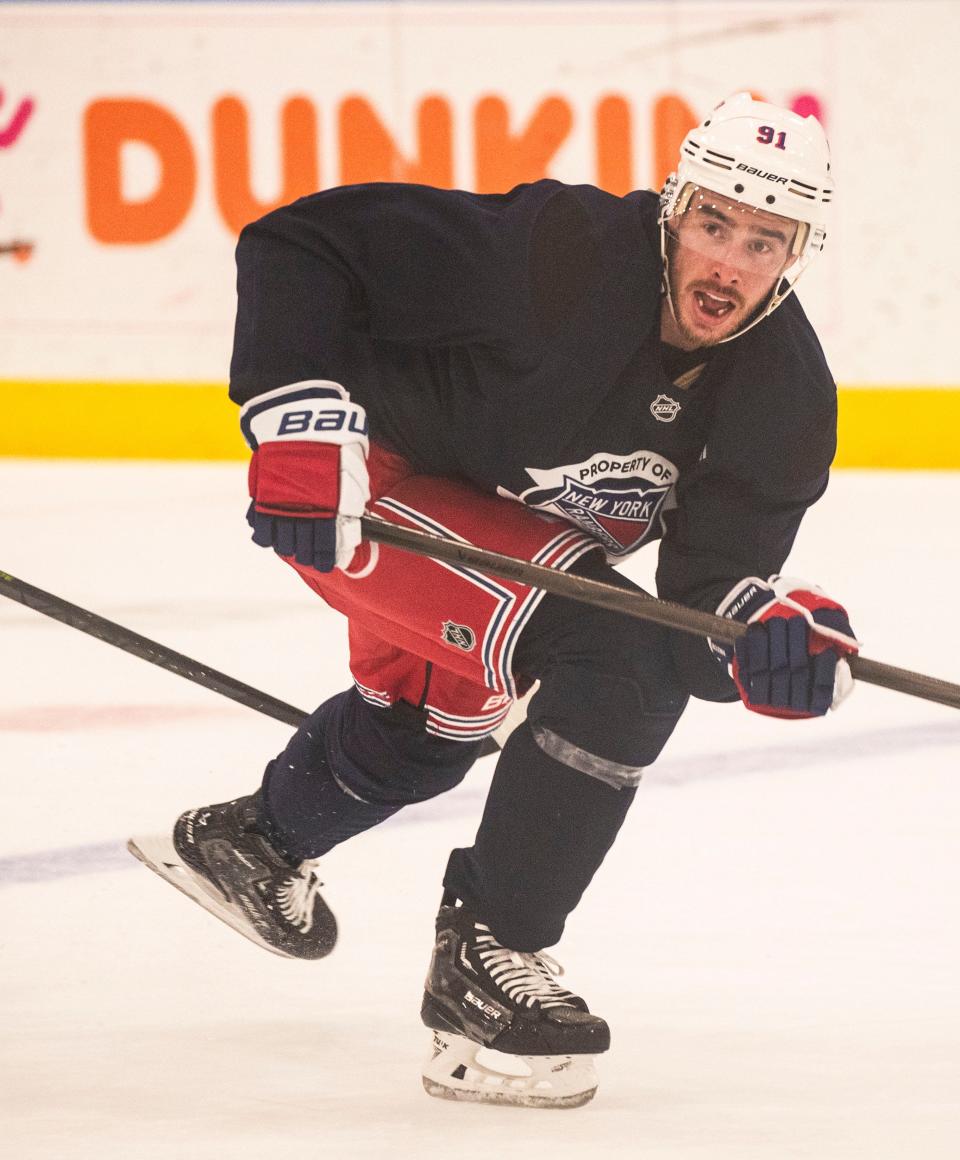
(609, 698)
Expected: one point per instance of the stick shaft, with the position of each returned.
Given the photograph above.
(629, 602)
(159, 654)
(148, 650)
(633, 603)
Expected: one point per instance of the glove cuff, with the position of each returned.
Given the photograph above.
(745, 601)
(750, 598)
(296, 478)
(317, 410)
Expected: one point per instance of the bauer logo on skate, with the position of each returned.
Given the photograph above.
(616, 498)
(490, 1012)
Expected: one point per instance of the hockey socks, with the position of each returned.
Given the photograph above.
(545, 830)
(350, 766)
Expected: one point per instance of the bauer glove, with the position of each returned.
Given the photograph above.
(308, 475)
(790, 663)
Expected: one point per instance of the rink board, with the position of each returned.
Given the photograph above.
(136, 140)
(892, 427)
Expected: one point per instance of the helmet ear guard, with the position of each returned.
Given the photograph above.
(765, 158)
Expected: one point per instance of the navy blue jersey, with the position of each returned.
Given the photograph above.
(513, 340)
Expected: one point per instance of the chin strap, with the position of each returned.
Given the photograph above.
(665, 276)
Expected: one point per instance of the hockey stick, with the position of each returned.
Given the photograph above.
(159, 654)
(148, 650)
(628, 601)
(633, 603)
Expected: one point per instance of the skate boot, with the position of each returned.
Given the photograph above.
(220, 857)
(504, 1030)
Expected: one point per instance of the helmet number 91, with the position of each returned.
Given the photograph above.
(767, 135)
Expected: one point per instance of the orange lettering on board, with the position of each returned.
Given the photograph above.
(672, 121)
(231, 159)
(369, 153)
(108, 125)
(614, 146)
(502, 159)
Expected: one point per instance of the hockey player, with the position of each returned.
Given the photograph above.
(558, 374)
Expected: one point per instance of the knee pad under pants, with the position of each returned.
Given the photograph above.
(609, 695)
(350, 766)
(385, 755)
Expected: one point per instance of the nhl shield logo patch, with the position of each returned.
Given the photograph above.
(459, 635)
(664, 409)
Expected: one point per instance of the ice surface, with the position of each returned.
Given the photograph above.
(774, 939)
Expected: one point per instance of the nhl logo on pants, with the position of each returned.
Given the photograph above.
(459, 635)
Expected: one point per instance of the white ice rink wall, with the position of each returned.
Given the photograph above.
(137, 138)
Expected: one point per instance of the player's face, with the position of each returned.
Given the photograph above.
(725, 258)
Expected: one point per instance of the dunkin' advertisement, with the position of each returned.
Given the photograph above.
(137, 139)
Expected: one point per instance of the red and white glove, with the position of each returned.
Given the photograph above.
(790, 663)
(308, 476)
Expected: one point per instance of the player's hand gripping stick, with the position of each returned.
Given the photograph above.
(308, 475)
(790, 663)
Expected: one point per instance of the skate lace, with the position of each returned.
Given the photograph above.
(296, 896)
(525, 977)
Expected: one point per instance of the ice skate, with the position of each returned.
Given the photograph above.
(219, 857)
(460, 1069)
(505, 1031)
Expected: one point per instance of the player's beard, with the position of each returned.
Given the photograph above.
(685, 304)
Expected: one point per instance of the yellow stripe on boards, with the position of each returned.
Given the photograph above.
(119, 420)
(879, 427)
(899, 428)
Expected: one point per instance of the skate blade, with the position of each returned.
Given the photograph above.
(462, 1070)
(159, 854)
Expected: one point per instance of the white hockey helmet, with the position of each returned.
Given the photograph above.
(766, 158)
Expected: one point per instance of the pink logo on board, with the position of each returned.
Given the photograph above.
(12, 125)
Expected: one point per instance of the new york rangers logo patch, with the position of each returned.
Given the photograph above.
(616, 498)
(459, 635)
